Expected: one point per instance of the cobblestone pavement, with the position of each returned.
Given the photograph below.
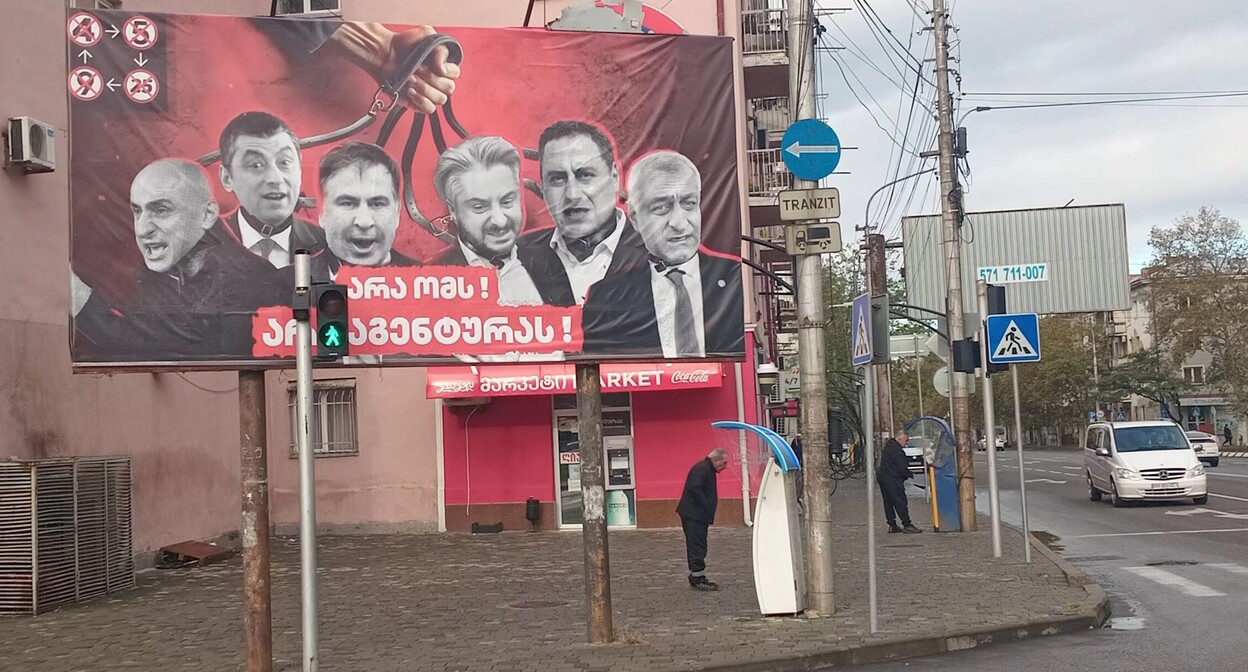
(514, 602)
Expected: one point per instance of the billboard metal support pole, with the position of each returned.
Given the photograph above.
(812, 374)
(990, 424)
(1022, 478)
(257, 594)
(593, 504)
(950, 206)
(307, 464)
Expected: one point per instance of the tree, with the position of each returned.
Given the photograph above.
(1148, 375)
(1198, 295)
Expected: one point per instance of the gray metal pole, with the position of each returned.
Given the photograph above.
(1022, 477)
(950, 205)
(593, 504)
(257, 593)
(869, 444)
(307, 470)
(810, 345)
(990, 425)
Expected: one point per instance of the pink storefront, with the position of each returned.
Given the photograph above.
(509, 433)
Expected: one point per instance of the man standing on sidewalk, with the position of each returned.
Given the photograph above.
(697, 512)
(892, 475)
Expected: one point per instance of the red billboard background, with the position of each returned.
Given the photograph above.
(647, 92)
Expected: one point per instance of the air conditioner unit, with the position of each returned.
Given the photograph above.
(30, 145)
(466, 401)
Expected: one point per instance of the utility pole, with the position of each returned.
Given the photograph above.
(951, 226)
(257, 595)
(877, 285)
(593, 504)
(307, 461)
(810, 343)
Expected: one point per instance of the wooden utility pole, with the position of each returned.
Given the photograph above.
(257, 596)
(951, 227)
(877, 285)
(593, 504)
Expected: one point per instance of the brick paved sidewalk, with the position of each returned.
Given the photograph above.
(514, 602)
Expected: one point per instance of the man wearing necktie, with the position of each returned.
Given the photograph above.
(260, 164)
(592, 239)
(682, 303)
(479, 179)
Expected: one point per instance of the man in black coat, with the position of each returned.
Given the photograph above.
(697, 507)
(892, 475)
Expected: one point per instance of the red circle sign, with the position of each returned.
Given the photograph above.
(84, 29)
(141, 86)
(139, 32)
(85, 83)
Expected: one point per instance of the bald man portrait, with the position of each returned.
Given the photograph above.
(682, 302)
(198, 287)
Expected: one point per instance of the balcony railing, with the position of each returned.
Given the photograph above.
(770, 114)
(768, 174)
(764, 30)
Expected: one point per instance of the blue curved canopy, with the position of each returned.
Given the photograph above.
(783, 452)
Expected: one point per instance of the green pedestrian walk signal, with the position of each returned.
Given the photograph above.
(332, 340)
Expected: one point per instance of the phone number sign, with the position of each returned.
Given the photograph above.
(1015, 273)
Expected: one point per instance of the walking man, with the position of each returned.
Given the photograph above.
(892, 475)
(697, 513)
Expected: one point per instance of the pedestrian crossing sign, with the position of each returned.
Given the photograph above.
(1013, 338)
(860, 328)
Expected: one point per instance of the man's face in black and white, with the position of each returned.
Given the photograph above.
(668, 214)
(486, 204)
(264, 173)
(172, 209)
(361, 214)
(580, 185)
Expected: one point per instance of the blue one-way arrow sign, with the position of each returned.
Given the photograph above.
(1013, 338)
(810, 149)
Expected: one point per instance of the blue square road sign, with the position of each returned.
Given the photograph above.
(1013, 338)
(860, 329)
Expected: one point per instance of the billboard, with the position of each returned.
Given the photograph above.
(1051, 260)
(486, 194)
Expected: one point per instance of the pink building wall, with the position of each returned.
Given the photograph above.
(182, 430)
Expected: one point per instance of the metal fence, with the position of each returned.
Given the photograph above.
(764, 31)
(768, 174)
(65, 531)
(771, 114)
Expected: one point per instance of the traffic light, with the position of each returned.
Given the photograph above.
(996, 306)
(332, 340)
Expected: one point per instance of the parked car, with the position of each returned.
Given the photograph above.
(1002, 440)
(1138, 461)
(1206, 447)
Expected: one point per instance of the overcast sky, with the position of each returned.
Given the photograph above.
(1160, 159)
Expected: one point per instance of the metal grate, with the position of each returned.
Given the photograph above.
(333, 419)
(71, 519)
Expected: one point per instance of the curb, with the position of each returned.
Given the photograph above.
(916, 647)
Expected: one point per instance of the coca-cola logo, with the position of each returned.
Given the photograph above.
(690, 377)
(454, 386)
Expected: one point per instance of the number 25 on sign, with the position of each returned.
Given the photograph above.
(1015, 273)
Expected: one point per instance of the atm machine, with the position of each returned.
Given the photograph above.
(620, 482)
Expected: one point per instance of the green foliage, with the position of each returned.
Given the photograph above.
(1150, 375)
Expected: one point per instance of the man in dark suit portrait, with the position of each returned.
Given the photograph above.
(696, 509)
(197, 290)
(360, 210)
(479, 179)
(260, 165)
(683, 302)
(592, 237)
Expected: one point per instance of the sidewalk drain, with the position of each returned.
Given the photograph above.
(537, 604)
(1171, 563)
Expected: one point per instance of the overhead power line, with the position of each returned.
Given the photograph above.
(1102, 93)
(1084, 103)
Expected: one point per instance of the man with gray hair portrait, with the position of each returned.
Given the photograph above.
(479, 179)
(683, 302)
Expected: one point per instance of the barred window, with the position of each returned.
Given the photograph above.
(95, 4)
(333, 419)
(306, 6)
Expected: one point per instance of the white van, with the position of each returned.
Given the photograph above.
(1138, 461)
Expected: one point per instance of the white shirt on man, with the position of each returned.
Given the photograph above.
(665, 303)
(515, 286)
(280, 256)
(582, 274)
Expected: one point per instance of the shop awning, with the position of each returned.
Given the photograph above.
(521, 379)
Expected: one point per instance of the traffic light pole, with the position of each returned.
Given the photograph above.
(307, 465)
(990, 423)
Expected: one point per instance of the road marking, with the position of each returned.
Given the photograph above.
(1220, 514)
(1238, 499)
(1044, 480)
(1226, 475)
(1230, 567)
(1158, 533)
(1186, 586)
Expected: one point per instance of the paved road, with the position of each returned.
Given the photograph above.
(1177, 573)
